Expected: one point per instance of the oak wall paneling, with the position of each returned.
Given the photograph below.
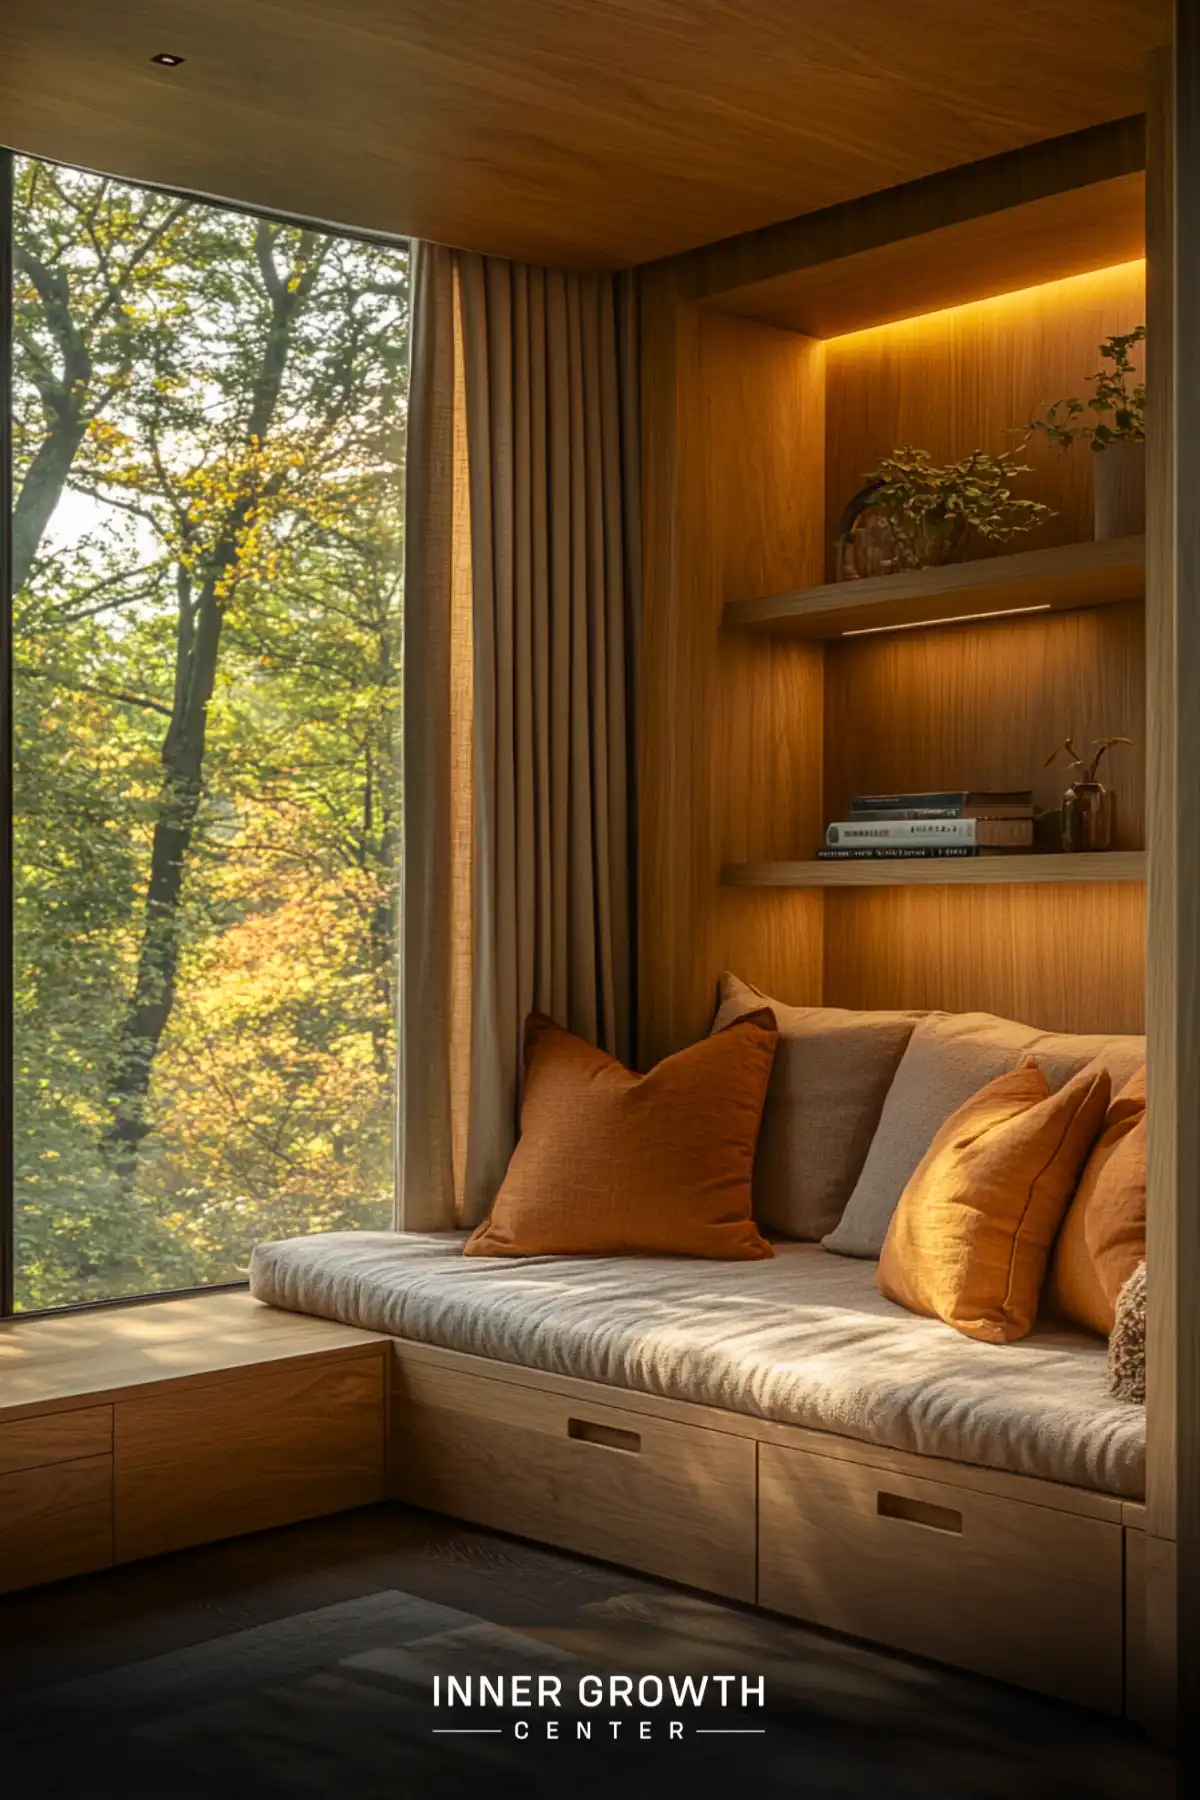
(731, 728)
(1173, 601)
(919, 711)
(1062, 958)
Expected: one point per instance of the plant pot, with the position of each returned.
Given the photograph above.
(1119, 491)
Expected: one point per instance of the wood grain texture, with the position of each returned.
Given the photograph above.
(51, 1364)
(1135, 1625)
(409, 1356)
(922, 712)
(954, 872)
(736, 269)
(999, 252)
(1064, 577)
(1163, 1676)
(1061, 958)
(55, 1521)
(575, 133)
(966, 379)
(1015, 1592)
(1171, 966)
(731, 728)
(59, 1437)
(669, 1499)
(1173, 1237)
(250, 1450)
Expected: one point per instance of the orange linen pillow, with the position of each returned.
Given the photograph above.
(610, 1162)
(970, 1238)
(1103, 1237)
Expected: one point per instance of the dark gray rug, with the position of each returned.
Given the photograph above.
(339, 1702)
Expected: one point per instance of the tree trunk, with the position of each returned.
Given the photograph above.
(198, 643)
(65, 403)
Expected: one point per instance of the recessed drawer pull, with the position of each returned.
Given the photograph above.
(919, 1512)
(607, 1435)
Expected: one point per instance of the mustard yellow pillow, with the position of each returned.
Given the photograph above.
(970, 1238)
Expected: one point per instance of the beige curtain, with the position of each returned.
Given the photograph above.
(520, 639)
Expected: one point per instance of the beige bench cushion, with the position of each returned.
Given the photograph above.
(804, 1338)
(830, 1078)
(950, 1056)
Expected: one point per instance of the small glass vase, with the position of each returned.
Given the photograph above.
(1087, 816)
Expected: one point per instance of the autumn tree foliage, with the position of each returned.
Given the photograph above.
(208, 444)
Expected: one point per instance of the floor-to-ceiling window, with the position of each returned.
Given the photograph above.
(205, 427)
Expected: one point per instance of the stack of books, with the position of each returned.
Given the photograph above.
(967, 823)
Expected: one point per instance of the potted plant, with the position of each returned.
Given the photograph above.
(916, 514)
(1087, 805)
(1116, 435)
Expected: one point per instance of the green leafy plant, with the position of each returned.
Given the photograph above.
(1119, 402)
(931, 507)
(1087, 766)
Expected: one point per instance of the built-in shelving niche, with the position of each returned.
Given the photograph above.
(802, 692)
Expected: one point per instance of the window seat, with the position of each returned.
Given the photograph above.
(804, 1339)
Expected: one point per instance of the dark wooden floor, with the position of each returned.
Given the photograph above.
(955, 1732)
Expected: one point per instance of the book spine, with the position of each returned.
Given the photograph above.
(891, 803)
(897, 853)
(867, 815)
(902, 831)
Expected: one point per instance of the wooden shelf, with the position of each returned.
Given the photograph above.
(966, 871)
(1063, 578)
(995, 251)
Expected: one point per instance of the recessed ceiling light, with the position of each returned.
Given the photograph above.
(166, 61)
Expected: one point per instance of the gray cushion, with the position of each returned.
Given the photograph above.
(830, 1078)
(950, 1056)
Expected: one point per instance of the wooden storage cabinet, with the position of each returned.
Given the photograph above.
(55, 1521)
(673, 1500)
(1136, 1706)
(56, 1510)
(1022, 1593)
(262, 1447)
(55, 1438)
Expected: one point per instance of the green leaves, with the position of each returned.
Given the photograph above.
(271, 1097)
(1117, 393)
(924, 501)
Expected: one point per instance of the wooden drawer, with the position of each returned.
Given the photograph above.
(673, 1500)
(55, 1521)
(1019, 1592)
(263, 1447)
(54, 1438)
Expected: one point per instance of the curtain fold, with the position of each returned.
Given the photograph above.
(547, 396)
(425, 1185)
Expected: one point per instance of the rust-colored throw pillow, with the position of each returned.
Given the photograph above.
(1103, 1237)
(970, 1239)
(610, 1162)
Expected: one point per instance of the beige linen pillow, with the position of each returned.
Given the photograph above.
(950, 1056)
(831, 1075)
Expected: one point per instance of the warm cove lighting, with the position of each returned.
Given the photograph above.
(1001, 612)
(1120, 283)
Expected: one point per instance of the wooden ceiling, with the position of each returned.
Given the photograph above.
(587, 133)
